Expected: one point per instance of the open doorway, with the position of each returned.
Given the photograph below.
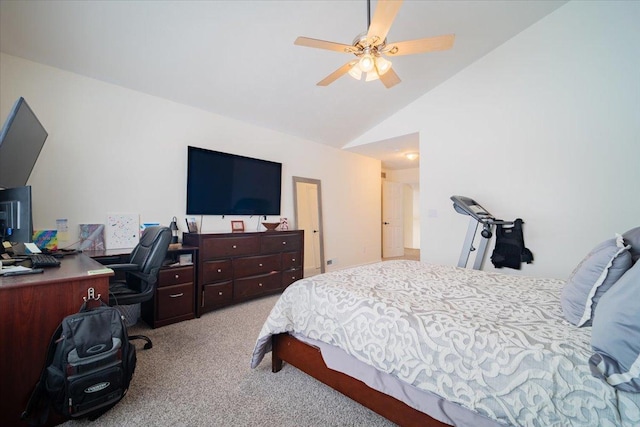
(307, 202)
(400, 163)
(401, 215)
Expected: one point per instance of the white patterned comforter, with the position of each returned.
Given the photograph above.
(495, 344)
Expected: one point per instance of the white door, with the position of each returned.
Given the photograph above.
(392, 221)
(309, 219)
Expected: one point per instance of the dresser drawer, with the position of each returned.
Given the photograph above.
(222, 247)
(279, 242)
(253, 286)
(291, 260)
(252, 266)
(217, 295)
(175, 276)
(176, 300)
(290, 276)
(216, 271)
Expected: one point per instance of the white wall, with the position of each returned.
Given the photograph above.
(546, 128)
(111, 149)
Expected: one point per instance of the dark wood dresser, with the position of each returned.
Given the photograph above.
(235, 267)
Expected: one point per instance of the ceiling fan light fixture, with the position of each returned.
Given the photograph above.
(371, 76)
(356, 72)
(382, 65)
(366, 63)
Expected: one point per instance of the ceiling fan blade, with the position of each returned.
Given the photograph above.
(383, 17)
(337, 74)
(322, 44)
(390, 78)
(430, 44)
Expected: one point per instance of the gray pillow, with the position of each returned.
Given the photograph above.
(615, 336)
(595, 274)
(632, 237)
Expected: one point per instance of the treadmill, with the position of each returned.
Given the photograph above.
(479, 215)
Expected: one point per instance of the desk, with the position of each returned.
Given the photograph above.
(31, 308)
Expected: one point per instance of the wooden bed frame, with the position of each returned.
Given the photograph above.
(309, 360)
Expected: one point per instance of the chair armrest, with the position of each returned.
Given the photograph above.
(151, 278)
(123, 267)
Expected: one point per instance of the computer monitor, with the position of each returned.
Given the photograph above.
(16, 225)
(21, 140)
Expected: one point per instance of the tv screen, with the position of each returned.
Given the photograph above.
(228, 184)
(21, 141)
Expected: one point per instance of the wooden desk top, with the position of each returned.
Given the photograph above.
(71, 267)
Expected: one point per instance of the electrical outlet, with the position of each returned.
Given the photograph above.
(329, 261)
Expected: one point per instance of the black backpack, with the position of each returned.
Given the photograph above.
(510, 250)
(89, 365)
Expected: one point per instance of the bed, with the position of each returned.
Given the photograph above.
(439, 345)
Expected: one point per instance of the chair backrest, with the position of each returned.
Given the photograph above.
(150, 253)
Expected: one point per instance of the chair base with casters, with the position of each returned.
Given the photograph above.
(141, 272)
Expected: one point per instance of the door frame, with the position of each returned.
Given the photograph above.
(316, 182)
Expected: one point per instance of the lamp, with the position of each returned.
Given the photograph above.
(371, 66)
(355, 72)
(174, 230)
(382, 65)
(411, 156)
(366, 63)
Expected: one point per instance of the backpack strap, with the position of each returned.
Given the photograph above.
(35, 400)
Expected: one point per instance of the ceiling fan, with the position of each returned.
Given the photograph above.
(371, 47)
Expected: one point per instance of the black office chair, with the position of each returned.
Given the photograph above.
(141, 272)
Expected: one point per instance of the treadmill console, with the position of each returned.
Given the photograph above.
(468, 206)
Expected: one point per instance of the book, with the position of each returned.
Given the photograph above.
(105, 270)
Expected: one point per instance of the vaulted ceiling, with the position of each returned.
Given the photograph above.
(237, 58)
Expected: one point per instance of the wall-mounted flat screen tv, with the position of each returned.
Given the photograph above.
(227, 184)
(21, 140)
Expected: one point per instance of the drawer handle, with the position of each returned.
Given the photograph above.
(219, 270)
(260, 265)
(284, 243)
(177, 276)
(234, 246)
(293, 259)
(220, 293)
(176, 295)
(259, 284)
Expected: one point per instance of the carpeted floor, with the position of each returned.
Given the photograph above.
(409, 253)
(198, 374)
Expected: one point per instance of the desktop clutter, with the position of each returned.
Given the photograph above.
(27, 258)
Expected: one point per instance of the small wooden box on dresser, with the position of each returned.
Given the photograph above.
(235, 267)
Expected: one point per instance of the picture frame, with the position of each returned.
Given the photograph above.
(192, 225)
(237, 226)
